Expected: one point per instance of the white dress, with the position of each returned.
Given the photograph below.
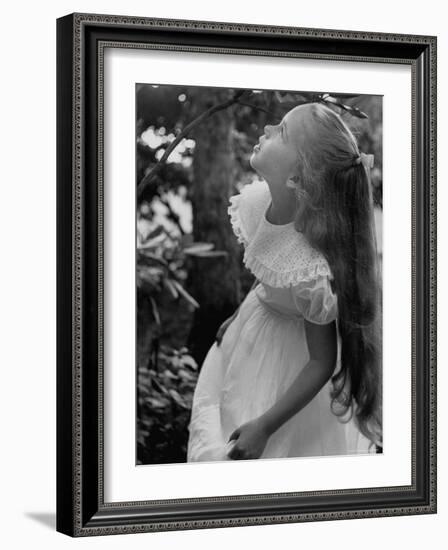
(265, 346)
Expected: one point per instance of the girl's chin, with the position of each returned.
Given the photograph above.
(253, 159)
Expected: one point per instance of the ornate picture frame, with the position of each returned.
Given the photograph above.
(81, 43)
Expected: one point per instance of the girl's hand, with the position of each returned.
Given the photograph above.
(251, 439)
(222, 329)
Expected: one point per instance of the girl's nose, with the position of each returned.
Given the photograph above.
(267, 129)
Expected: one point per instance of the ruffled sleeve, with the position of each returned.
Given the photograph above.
(246, 210)
(236, 221)
(315, 300)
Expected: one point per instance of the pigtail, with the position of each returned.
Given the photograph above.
(358, 286)
(336, 215)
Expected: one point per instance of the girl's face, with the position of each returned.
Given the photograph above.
(275, 156)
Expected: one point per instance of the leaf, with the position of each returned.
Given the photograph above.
(141, 438)
(174, 362)
(188, 361)
(171, 285)
(329, 99)
(186, 375)
(145, 255)
(177, 398)
(185, 294)
(168, 374)
(357, 113)
(198, 247)
(155, 310)
(354, 111)
(347, 96)
(159, 386)
(157, 403)
(211, 254)
(150, 272)
(155, 232)
(152, 243)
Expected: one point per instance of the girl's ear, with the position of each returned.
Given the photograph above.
(296, 172)
(293, 181)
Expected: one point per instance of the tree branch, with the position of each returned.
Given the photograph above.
(209, 112)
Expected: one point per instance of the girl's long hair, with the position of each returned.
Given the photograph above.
(335, 212)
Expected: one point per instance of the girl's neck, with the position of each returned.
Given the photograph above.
(283, 207)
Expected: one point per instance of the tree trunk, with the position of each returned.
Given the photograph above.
(214, 282)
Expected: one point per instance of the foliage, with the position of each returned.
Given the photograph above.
(161, 259)
(164, 404)
(167, 377)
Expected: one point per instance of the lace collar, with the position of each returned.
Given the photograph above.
(278, 255)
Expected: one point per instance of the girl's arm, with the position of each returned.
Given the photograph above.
(255, 283)
(322, 346)
(251, 437)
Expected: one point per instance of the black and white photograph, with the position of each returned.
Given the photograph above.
(258, 227)
(246, 275)
(223, 279)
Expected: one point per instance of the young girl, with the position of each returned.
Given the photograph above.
(296, 371)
